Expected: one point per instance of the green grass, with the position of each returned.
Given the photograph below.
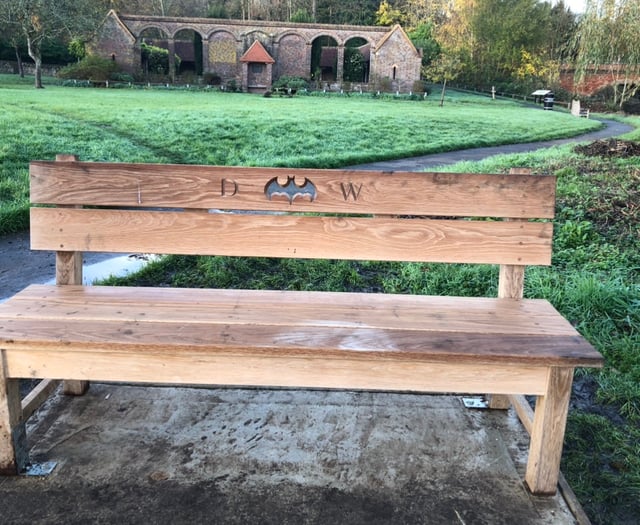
(207, 127)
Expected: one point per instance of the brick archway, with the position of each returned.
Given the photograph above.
(290, 45)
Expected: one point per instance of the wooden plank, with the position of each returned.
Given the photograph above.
(13, 438)
(361, 238)
(281, 340)
(547, 433)
(341, 191)
(301, 372)
(302, 309)
(37, 396)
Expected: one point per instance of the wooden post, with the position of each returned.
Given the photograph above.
(69, 271)
(547, 435)
(13, 436)
(510, 286)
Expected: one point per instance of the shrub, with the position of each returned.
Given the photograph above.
(232, 86)
(354, 65)
(90, 67)
(212, 79)
(156, 59)
(290, 82)
(122, 77)
(302, 16)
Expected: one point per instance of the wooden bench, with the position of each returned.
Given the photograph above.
(505, 345)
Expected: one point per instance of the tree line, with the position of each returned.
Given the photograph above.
(514, 45)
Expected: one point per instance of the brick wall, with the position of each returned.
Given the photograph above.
(293, 57)
(593, 81)
(395, 61)
(113, 40)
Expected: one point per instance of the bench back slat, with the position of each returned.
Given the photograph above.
(296, 236)
(322, 191)
(300, 213)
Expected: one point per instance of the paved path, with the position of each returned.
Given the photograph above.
(612, 129)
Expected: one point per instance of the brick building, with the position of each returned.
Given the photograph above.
(226, 48)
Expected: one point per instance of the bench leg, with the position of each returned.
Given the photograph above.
(547, 434)
(72, 387)
(13, 437)
(499, 402)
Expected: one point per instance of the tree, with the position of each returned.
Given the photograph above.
(40, 20)
(13, 37)
(386, 15)
(608, 39)
(423, 38)
(445, 68)
(502, 29)
(456, 33)
(562, 33)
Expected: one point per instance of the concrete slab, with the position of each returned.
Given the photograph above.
(136, 454)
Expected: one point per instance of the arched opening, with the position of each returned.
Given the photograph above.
(188, 46)
(324, 59)
(154, 54)
(357, 56)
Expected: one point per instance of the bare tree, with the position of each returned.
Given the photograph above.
(39, 20)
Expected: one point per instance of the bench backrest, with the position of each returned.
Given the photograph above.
(300, 213)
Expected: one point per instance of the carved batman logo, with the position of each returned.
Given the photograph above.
(290, 190)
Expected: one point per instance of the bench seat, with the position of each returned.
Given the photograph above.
(298, 339)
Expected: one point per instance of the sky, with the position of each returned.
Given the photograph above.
(577, 6)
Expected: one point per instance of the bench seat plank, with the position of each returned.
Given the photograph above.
(305, 324)
(321, 309)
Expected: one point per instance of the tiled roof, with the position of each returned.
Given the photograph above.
(257, 53)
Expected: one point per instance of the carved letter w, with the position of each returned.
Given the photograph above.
(350, 190)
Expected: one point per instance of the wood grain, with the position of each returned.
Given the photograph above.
(291, 236)
(306, 309)
(342, 191)
(294, 324)
(191, 368)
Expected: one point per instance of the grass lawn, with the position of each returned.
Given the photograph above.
(200, 127)
(595, 275)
